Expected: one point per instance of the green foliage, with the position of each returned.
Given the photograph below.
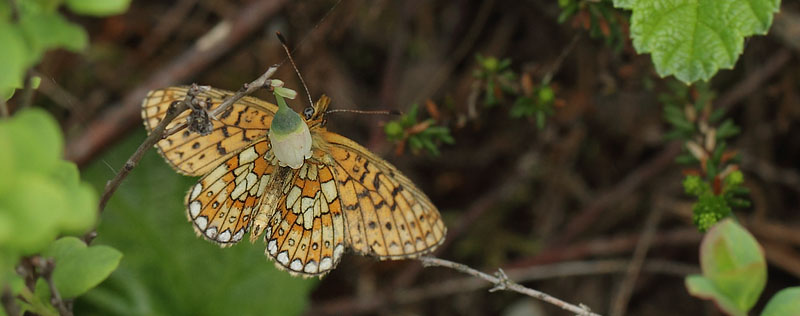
(79, 268)
(784, 303)
(497, 77)
(693, 39)
(734, 269)
(167, 269)
(497, 80)
(540, 106)
(41, 195)
(40, 27)
(420, 135)
(41, 198)
(98, 7)
(717, 183)
(708, 210)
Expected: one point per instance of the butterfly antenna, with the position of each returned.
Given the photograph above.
(291, 60)
(380, 112)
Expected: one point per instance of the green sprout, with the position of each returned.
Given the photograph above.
(419, 134)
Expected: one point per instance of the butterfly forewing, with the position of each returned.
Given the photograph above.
(246, 121)
(221, 204)
(306, 233)
(386, 214)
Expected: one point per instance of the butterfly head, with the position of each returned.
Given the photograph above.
(315, 115)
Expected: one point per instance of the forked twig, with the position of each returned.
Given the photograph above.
(158, 133)
(246, 89)
(501, 282)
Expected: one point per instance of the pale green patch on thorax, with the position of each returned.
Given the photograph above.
(289, 135)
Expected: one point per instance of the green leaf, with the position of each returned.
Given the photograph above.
(693, 39)
(40, 302)
(34, 220)
(49, 30)
(79, 268)
(699, 286)
(14, 59)
(734, 263)
(36, 140)
(82, 213)
(784, 303)
(167, 269)
(98, 7)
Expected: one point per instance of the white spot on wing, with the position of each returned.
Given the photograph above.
(312, 173)
(311, 267)
(292, 197)
(283, 258)
(325, 264)
(329, 189)
(296, 265)
(238, 236)
(211, 232)
(337, 252)
(241, 186)
(196, 191)
(248, 155)
(225, 236)
(201, 222)
(272, 246)
(194, 208)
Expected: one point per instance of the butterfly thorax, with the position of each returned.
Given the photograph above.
(290, 137)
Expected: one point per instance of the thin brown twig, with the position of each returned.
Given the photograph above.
(9, 302)
(47, 273)
(352, 305)
(3, 107)
(501, 282)
(159, 133)
(619, 305)
(543, 272)
(149, 142)
(27, 91)
(246, 89)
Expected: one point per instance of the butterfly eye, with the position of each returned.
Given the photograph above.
(308, 112)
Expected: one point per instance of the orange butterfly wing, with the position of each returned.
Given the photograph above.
(222, 203)
(245, 122)
(386, 214)
(306, 233)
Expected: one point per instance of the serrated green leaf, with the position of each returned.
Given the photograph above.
(49, 30)
(167, 269)
(703, 288)
(784, 303)
(79, 268)
(693, 39)
(734, 263)
(98, 7)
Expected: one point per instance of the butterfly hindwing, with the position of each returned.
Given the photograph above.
(386, 214)
(221, 204)
(246, 121)
(306, 233)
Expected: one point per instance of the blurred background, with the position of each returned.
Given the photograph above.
(548, 160)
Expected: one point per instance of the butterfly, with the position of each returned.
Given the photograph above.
(341, 197)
